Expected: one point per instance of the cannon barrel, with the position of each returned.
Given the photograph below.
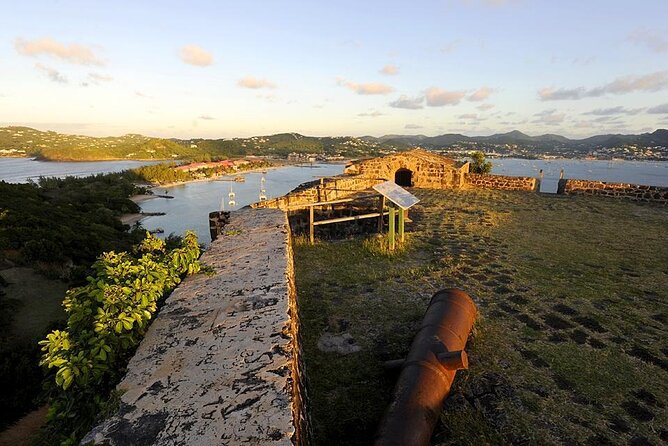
(427, 372)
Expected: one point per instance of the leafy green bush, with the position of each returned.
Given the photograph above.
(479, 164)
(106, 320)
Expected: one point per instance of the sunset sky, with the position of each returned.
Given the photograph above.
(224, 69)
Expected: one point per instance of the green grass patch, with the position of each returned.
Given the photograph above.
(570, 344)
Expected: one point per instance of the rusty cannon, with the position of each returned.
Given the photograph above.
(427, 372)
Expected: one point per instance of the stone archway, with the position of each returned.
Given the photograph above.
(403, 177)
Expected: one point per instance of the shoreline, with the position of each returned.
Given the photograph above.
(179, 183)
(133, 218)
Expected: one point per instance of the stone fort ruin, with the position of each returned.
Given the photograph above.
(414, 168)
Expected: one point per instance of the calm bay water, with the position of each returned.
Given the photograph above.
(21, 170)
(192, 202)
(636, 172)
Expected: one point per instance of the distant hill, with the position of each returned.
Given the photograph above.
(57, 146)
(25, 141)
(657, 138)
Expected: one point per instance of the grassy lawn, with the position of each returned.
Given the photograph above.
(570, 346)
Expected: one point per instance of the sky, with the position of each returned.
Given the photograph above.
(221, 69)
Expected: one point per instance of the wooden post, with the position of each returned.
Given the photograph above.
(401, 225)
(391, 230)
(310, 225)
(381, 209)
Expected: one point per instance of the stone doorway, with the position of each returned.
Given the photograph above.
(403, 177)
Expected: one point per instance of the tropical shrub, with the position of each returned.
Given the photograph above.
(106, 320)
(479, 164)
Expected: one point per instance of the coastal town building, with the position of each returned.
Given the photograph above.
(191, 167)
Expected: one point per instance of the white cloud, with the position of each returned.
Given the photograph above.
(549, 117)
(194, 55)
(468, 116)
(51, 73)
(206, 117)
(408, 103)
(485, 107)
(371, 114)
(413, 126)
(551, 94)
(255, 83)
(659, 109)
(619, 110)
(372, 88)
(650, 82)
(73, 53)
(649, 38)
(96, 77)
(437, 97)
(481, 94)
(390, 70)
(607, 119)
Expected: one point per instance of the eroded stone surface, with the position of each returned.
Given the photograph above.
(217, 366)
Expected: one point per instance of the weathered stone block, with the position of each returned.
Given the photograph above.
(220, 364)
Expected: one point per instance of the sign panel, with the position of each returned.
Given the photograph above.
(396, 194)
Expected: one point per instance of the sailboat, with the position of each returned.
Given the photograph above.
(231, 196)
(263, 191)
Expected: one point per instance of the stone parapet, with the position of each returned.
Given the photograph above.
(635, 192)
(221, 362)
(501, 182)
(328, 189)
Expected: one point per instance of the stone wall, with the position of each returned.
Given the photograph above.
(326, 190)
(428, 170)
(221, 363)
(501, 182)
(635, 192)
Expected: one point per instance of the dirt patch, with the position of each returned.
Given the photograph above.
(342, 343)
(556, 322)
(23, 431)
(637, 411)
(590, 323)
(565, 309)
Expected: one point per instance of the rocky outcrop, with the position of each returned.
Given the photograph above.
(221, 363)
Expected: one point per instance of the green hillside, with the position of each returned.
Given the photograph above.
(25, 141)
(282, 144)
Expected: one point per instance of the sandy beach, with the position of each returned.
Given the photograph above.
(131, 219)
(141, 198)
